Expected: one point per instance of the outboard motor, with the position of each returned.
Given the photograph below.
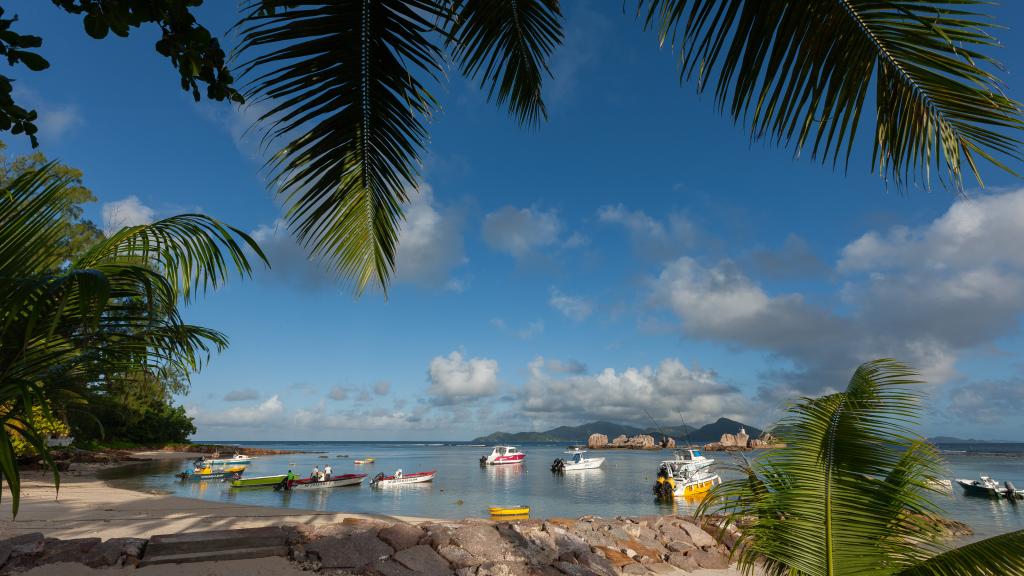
(665, 486)
(1011, 490)
(558, 466)
(483, 460)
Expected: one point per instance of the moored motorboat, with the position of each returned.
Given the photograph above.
(234, 460)
(259, 481)
(987, 487)
(576, 461)
(398, 478)
(208, 473)
(365, 461)
(687, 475)
(503, 455)
(336, 481)
(688, 458)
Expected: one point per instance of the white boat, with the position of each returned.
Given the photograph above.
(381, 481)
(234, 460)
(691, 459)
(503, 455)
(576, 461)
(696, 483)
(986, 486)
(332, 482)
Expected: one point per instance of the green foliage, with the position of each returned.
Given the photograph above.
(108, 314)
(851, 493)
(800, 72)
(13, 47)
(46, 423)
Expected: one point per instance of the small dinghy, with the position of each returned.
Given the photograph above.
(208, 473)
(365, 461)
(331, 482)
(520, 510)
(381, 481)
(259, 481)
(234, 460)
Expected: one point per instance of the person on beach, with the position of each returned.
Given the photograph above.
(327, 472)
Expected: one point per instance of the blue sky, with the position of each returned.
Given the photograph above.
(635, 251)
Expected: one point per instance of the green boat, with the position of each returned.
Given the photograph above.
(257, 481)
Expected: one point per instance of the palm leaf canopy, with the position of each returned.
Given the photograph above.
(348, 85)
(110, 313)
(851, 493)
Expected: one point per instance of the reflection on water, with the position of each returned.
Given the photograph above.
(464, 488)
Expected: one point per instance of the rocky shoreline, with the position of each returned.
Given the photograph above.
(657, 545)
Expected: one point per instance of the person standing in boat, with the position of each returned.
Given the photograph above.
(327, 472)
(315, 475)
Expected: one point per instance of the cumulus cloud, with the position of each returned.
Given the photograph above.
(382, 388)
(269, 411)
(454, 379)
(430, 242)
(921, 294)
(793, 260)
(127, 212)
(521, 231)
(337, 393)
(573, 307)
(242, 395)
(989, 402)
(651, 237)
(551, 393)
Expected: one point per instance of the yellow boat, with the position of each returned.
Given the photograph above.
(226, 470)
(697, 486)
(509, 510)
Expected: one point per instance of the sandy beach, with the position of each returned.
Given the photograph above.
(88, 507)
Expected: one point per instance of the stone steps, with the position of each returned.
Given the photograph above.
(215, 545)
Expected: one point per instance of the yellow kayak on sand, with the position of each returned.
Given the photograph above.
(509, 510)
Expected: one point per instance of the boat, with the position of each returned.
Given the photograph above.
(577, 461)
(503, 455)
(335, 481)
(233, 460)
(689, 458)
(520, 510)
(208, 473)
(365, 461)
(398, 478)
(986, 486)
(259, 481)
(696, 484)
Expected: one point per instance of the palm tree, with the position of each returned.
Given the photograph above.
(107, 314)
(851, 493)
(348, 85)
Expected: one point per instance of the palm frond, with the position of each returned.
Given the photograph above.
(800, 72)
(1001, 555)
(507, 46)
(341, 79)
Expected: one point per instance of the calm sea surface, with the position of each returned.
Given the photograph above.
(462, 488)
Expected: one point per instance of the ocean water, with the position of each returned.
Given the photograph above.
(463, 488)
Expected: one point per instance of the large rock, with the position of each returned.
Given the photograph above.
(597, 441)
(620, 441)
(641, 441)
(742, 438)
(423, 560)
(728, 441)
(683, 561)
(401, 536)
(503, 569)
(116, 552)
(615, 556)
(699, 537)
(480, 540)
(711, 558)
(670, 442)
(355, 551)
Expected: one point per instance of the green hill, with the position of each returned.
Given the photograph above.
(708, 433)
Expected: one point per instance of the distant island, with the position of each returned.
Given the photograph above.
(708, 433)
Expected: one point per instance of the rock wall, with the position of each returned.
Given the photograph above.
(597, 441)
(638, 442)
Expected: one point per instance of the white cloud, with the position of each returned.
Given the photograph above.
(337, 393)
(55, 120)
(430, 243)
(127, 212)
(573, 307)
(651, 237)
(552, 393)
(922, 294)
(382, 388)
(989, 402)
(453, 379)
(521, 231)
(268, 412)
(242, 395)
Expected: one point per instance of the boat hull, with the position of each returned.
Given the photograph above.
(509, 510)
(587, 464)
(334, 482)
(406, 479)
(696, 486)
(972, 489)
(259, 481)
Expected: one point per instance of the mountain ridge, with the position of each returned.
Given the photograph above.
(708, 433)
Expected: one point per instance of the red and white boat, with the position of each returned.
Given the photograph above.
(398, 478)
(503, 455)
(332, 482)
